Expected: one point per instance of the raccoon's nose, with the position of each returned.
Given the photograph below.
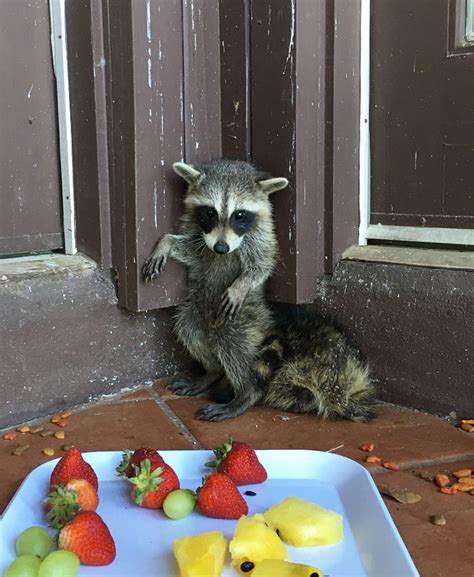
(221, 247)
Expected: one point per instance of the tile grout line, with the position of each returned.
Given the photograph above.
(178, 423)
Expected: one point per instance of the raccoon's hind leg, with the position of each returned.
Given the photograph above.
(238, 360)
(196, 387)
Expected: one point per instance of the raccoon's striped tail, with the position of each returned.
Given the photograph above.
(306, 386)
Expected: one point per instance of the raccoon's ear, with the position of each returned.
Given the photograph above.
(272, 184)
(190, 174)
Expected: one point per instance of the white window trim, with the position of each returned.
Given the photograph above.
(469, 15)
(367, 230)
(60, 64)
(364, 132)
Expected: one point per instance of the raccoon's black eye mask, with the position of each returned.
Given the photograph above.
(242, 221)
(206, 217)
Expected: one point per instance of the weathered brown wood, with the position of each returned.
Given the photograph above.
(288, 133)
(87, 64)
(346, 115)
(164, 102)
(147, 135)
(234, 18)
(422, 135)
(311, 134)
(30, 188)
(202, 103)
(120, 117)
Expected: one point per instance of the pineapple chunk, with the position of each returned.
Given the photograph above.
(202, 555)
(274, 568)
(255, 541)
(305, 524)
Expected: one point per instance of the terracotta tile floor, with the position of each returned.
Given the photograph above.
(159, 419)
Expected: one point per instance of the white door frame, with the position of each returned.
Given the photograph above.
(368, 231)
(60, 64)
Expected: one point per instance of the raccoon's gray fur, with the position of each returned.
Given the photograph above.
(251, 355)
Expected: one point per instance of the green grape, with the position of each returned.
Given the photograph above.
(23, 566)
(60, 563)
(179, 503)
(34, 541)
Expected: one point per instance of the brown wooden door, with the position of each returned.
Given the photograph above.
(30, 190)
(422, 115)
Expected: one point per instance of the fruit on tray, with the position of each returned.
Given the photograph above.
(152, 483)
(201, 555)
(179, 503)
(72, 466)
(304, 524)
(126, 468)
(67, 500)
(276, 568)
(89, 538)
(34, 541)
(59, 564)
(254, 540)
(239, 462)
(220, 498)
(23, 566)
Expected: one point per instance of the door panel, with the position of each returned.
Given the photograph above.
(422, 118)
(30, 202)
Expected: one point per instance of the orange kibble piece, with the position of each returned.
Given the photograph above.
(56, 419)
(448, 490)
(66, 415)
(467, 427)
(48, 451)
(59, 434)
(467, 481)
(442, 480)
(368, 447)
(372, 459)
(391, 466)
(462, 473)
(61, 423)
(464, 488)
(10, 436)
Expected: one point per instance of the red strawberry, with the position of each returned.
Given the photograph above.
(66, 501)
(239, 462)
(89, 538)
(152, 483)
(126, 470)
(220, 498)
(72, 466)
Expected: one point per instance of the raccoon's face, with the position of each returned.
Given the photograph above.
(226, 201)
(223, 231)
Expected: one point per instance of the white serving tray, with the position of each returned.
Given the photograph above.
(372, 546)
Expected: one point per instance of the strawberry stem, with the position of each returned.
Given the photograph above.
(63, 506)
(220, 454)
(145, 480)
(122, 467)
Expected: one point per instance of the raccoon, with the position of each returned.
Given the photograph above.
(251, 353)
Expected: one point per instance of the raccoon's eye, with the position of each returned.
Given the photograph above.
(242, 221)
(206, 217)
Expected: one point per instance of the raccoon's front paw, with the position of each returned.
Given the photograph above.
(154, 265)
(216, 413)
(231, 303)
(186, 388)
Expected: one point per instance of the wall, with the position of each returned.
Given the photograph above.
(65, 341)
(415, 326)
